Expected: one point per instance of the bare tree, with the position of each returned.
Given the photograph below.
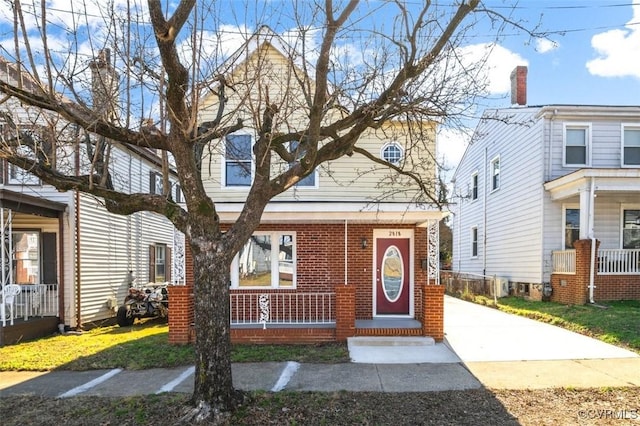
(166, 56)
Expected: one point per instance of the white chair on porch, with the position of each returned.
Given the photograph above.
(9, 293)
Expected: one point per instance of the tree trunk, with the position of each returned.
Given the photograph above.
(213, 382)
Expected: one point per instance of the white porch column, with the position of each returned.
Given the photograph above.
(585, 209)
(433, 251)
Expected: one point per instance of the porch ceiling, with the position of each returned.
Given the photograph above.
(606, 180)
(338, 212)
(29, 204)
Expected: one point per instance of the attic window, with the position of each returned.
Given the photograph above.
(392, 152)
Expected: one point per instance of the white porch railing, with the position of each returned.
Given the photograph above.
(619, 261)
(282, 308)
(564, 261)
(34, 300)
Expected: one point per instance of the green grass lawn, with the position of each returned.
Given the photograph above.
(613, 322)
(143, 345)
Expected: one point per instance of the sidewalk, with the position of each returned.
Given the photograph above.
(483, 348)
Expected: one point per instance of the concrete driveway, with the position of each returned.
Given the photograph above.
(477, 333)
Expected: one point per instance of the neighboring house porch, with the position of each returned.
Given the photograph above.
(601, 220)
(31, 252)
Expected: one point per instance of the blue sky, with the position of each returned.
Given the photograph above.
(591, 57)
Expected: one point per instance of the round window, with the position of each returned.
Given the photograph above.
(392, 152)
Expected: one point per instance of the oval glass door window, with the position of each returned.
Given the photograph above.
(392, 273)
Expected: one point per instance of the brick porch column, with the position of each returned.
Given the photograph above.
(580, 293)
(345, 311)
(181, 309)
(433, 314)
(180, 313)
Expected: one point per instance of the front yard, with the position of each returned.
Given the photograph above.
(143, 345)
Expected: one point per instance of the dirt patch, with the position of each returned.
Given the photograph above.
(473, 407)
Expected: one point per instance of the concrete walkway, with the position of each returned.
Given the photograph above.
(483, 348)
(511, 352)
(477, 333)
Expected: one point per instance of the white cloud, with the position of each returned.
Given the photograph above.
(544, 45)
(618, 51)
(451, 144)
(498, 64)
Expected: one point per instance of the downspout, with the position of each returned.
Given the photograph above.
(346, 254)
(484, 214)
(61, 275)
(77, 244)
(592, 262)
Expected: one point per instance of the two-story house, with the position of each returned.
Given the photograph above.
(550, 195)
(352, 226)
(73, 260)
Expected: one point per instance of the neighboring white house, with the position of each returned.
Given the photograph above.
(72, 258)
(535, 179)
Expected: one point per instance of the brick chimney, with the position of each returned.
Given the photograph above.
(105, 86)
(519, 85)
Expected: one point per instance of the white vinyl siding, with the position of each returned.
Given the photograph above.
(350, 178)
(510, 220)
(111, 245)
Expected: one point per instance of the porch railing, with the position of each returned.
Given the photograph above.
(618, 261)
(268, 308)
(34, 300)
(610, 261)
(564, 261)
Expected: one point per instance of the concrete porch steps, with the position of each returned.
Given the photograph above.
(398, 350)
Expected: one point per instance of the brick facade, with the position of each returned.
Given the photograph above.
(320, 268)
(573, 289)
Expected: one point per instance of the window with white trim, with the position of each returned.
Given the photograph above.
(474, 241)
(298, 152)
(155, 183)
(571, 227)
(474, 186)
(631, 145)
(577, 142)
(238, 160)
(392, 152)
(631, 229)
(268, 259)
(494, 169)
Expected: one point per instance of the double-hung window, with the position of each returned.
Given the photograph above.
(268, 259)
(298, 152)
(494, 169)
(26, 257)
(474, 186)
(577, 142)
(238, 160)
(474, 241)
(571, 227)
(159, 263)
(155, 183)
(631, 229)
(631, 145)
